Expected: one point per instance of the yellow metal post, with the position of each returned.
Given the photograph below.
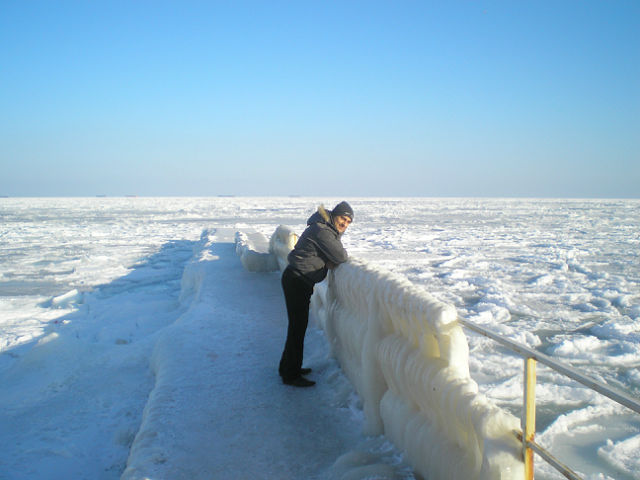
(529, 427)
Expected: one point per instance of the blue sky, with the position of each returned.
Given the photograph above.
(350, 98)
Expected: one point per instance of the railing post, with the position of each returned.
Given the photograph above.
(529, 427)
(528, 420)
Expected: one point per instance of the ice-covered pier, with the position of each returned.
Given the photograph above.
(407, 357)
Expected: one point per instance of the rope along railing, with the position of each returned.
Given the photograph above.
(527, 435)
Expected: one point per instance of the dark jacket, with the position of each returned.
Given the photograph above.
(318, 249)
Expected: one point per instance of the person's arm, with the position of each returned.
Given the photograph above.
(331, 247)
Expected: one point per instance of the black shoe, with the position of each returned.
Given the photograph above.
(299, 382)
(303, 371)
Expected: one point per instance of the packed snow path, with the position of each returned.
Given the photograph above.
(170, 372)
(218, 409)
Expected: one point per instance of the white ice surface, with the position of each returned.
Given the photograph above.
(560, 275)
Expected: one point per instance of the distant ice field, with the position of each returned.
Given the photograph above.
(562, 276)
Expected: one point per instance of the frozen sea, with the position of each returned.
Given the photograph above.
(93, 301)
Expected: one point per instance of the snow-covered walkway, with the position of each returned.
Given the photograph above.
(218, 409)
(170, 373)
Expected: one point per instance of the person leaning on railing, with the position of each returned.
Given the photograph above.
(318, 249)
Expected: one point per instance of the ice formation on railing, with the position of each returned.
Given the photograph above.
(254, 254)
(259, 254)
(407, 357)
(281, 243)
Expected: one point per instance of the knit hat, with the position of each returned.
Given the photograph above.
(344, 209)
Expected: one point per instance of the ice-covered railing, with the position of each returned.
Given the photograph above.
(259, 254)
(531, 358)
(407, 357)
(423, 399)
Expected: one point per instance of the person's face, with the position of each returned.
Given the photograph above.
(341, 223)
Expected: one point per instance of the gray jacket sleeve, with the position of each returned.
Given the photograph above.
(331, 246)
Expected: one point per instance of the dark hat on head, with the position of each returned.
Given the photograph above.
(344, 209)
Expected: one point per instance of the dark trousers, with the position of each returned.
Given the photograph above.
(297, 296)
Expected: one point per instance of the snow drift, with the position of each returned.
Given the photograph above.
(407, 357)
